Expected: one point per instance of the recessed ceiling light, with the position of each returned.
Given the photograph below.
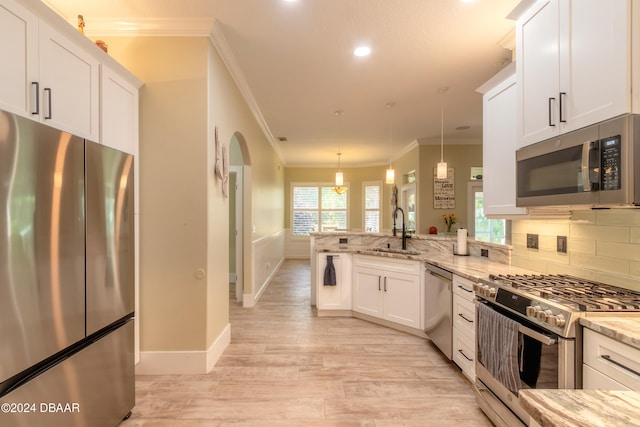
(362, 51)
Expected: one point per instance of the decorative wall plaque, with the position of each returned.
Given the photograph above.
(444, 191)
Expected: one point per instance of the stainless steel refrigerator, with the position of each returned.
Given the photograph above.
(66, 278)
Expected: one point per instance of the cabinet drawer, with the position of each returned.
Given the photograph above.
(614, 359)
(463, 287)
(595, 380)
(464, 354)
(464, 315)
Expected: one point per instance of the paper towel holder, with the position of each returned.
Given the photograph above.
(455, 244)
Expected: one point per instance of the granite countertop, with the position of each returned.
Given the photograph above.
(582, 408)
(624, 329)
(610, 408)
(470, 267)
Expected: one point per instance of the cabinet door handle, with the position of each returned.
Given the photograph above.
(551, 100)
(465, 289)
(562, 95)
(379, 278)
(48, 116)
(37, 90)
(385, 283)
(462, 315)
(615, 362)
(465, 356)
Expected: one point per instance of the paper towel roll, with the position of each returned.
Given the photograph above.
(462, 241)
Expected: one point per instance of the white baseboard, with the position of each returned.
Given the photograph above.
(184, 362)
(266, 283)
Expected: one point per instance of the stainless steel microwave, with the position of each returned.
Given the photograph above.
(597, 166)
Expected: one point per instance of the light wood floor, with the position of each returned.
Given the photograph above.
(286, 367)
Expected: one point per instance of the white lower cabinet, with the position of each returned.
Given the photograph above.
(464, 326)
(609, 364)
(336, 297)
(388, 289)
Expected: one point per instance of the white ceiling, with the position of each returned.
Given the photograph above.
(296, 60)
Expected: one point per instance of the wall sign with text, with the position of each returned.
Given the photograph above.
(443, 191)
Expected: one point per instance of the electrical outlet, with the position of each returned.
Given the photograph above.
(484, 252)
(342, 241)
(561, 245)
(532, 241)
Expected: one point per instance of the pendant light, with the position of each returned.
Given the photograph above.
(441, 168)
(391, 173)
(339, 188)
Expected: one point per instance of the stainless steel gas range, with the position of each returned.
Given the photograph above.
(528, 335)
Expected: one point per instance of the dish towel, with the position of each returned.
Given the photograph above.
(329, 272)
(498, 347)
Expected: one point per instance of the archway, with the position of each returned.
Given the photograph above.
(239, 217)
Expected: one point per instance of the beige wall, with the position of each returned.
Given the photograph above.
(184, 217)
(461, 157)
(421, 159)
(602, 245)
(354, 177)
(173, 191)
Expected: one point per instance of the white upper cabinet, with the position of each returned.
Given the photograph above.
(499, 144)
(19, 53)
(119, 111)
(45, 75)
(574, 65)
(52, 74)
(69, 85)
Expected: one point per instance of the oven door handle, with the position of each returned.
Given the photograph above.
(544, 339)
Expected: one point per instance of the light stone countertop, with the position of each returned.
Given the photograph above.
(470, 267)
(550, 408)
(610, 408)
(623, 329)
(582, 408)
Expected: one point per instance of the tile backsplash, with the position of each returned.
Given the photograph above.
(602, 245)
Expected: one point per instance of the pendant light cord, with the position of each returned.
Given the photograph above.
(441, 132)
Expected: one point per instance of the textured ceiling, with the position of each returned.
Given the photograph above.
(296, 59)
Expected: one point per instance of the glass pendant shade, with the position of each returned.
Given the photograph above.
(441, 170)
(391, 176)
(339, 179)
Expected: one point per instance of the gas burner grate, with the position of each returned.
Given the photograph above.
(584, 294)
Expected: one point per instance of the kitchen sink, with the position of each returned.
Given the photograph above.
(397, 251)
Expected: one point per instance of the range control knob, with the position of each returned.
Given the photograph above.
(532, 310)
(477, 287)
(491, 292)
(557, 321)
(544, 315)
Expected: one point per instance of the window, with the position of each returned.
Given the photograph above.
(317, 207)
(483, 228)
(372, 197)
(489, 230)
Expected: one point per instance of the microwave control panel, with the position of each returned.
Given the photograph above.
(610, 163)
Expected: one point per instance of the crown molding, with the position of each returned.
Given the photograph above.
(191, 27)
(229, 59)
(158, 27)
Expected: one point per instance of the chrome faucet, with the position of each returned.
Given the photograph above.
(404, 231)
